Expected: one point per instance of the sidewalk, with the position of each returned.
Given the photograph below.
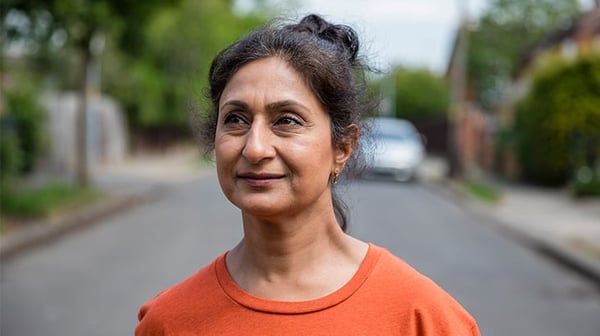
(548, 220)
(139, 179)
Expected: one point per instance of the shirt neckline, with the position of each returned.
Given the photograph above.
(250, 301)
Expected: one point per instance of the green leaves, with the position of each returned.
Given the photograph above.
(171, 68)
(503, 34)
(24, 122)
(558, 122)
(420, 95)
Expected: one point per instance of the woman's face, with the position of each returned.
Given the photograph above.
(273, 144)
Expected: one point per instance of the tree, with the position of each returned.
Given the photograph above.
(419, 95)
(504, 32)
(83, 22)
(172, 65)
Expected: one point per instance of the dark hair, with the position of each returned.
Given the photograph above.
(326, 55)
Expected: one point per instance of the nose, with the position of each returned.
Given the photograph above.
(259, 145)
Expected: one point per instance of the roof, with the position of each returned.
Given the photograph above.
(584, 27)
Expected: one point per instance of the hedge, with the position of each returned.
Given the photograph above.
(557, 123)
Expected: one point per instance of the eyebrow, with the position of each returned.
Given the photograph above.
(270, 107)
(285, 103)
(236, 103)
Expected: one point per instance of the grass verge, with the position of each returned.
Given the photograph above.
(587, 183)
(482, 191)
(22, 205)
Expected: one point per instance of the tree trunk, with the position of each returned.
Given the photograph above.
(82, 169)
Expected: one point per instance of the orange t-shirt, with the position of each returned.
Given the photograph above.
(385, 297)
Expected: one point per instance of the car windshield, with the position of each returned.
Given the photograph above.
(394, 136)
(393, 130)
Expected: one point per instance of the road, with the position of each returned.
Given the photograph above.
(92, 282)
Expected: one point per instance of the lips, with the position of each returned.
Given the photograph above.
(260, 179)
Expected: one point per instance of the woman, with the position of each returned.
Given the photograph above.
(287, 103)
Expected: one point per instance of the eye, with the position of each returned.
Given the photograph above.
(234, 119)
(288, 121)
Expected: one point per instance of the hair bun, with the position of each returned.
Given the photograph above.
(344, 37)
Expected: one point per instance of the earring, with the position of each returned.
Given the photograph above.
(336, 173)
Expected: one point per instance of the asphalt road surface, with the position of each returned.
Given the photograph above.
(92, 282)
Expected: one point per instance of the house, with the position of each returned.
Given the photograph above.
(581, 34)
(474, 129)
(471, 128)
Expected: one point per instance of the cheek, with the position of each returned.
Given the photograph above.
(224, 146)
(224, 155)
(314, 158)
(224, 165)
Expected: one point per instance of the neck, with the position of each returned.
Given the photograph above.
(298, 258)
(279, 247)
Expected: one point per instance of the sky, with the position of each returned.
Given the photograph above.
(413, 33)
(416, 33)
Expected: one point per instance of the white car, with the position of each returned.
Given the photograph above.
(398, 149)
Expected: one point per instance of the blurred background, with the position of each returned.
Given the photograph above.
(99, 99)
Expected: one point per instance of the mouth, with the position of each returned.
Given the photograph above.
(260, 179)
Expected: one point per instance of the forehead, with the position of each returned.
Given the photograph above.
(270, 77)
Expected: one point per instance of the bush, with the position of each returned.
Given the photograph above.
(43, 201)
(419, 94)
(557, 124)
(11, 155)
(25, 122)
(587, 182)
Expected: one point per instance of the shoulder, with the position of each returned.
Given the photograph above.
(171, 305)
(417, 298)
(398, 275)
(398, 272)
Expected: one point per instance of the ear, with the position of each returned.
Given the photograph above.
(346, 146)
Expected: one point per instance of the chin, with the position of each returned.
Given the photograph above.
(272, 212)
(260, 206)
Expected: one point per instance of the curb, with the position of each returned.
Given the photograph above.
(552, 248)
(47, 230)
